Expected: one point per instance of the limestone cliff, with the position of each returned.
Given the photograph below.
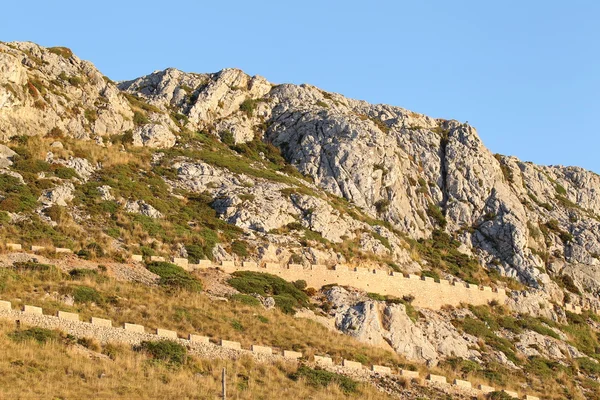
(370, 178)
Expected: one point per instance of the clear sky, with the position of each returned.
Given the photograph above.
(526, 74)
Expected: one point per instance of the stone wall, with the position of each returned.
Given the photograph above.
(427, 292)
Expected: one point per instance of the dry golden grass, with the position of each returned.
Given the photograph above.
(184, 312)
(56, 370)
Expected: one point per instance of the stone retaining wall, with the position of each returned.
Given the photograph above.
(427, 292)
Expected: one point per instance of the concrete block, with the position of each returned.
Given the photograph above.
(14, 246)
(133, 328)
(436, 378)
(511, 393)
(296, 267)
(381, 369)
(318, 267)
(413, 276)
(62, 250)
(166, 333)
(501, 292)
(249, 264)
(292, 355)
(409, 374)
(261, 349)
(198, 339)
(68, 316)
(323, 360)
(227, 264)
(101, 322)
(157, 258)
(471, 286)
(32, 310)
(351, 364)
(486, 389)
(486, 289)
(359, 270)
(181, 262)
(428, 279)
(462, 384)
(231, 345)
(444, 282)
(340, 268)
(528, 397)
(5, 305)
(137, 257)
(35, 249)
(272, 266)
(204, 263)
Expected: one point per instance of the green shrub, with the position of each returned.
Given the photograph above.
(300, 284)
(245, 299)
(164, 351)
(589, 366)
(321, 378)
(64, 52)
(32, 266)
(382, 205)
(64, 172)
(82, 273)
(436, 213)
(227, 138)
(498, 395)
(287, 297)
(174, 276)
(140, 118)
(376, 296)
(86, 294)
(248, 106)
(40, 335)
(239, 248)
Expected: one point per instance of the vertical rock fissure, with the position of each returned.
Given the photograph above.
(444, 169)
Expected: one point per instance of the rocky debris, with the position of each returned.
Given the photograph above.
(6, 155)
(60, 195)
(105, 193)
(82, 166)
(143, 208)
(534, 344)
(155, 136)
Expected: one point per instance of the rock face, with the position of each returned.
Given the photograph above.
(156, 136)
(408, 175)
(389, 326)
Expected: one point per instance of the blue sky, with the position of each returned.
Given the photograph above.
(526, 74)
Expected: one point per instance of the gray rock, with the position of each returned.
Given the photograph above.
(152, 135)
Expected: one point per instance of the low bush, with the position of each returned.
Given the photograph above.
(82, 273)
(287, 296)
(319, 377)
(40, 335)
(86, 294)
(164, 351)
(174, 276)
(246, 299)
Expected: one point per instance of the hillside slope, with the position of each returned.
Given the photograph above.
(226, 166)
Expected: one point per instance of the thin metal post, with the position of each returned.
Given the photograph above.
(224, 384)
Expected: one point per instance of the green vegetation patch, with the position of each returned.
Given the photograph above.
(287, 296)
(322, 378)
(164, 351)
(174, 276)
(40, 335)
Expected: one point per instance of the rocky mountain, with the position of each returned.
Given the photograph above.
(224, 165)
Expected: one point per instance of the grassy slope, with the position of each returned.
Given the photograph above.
(57, 369)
